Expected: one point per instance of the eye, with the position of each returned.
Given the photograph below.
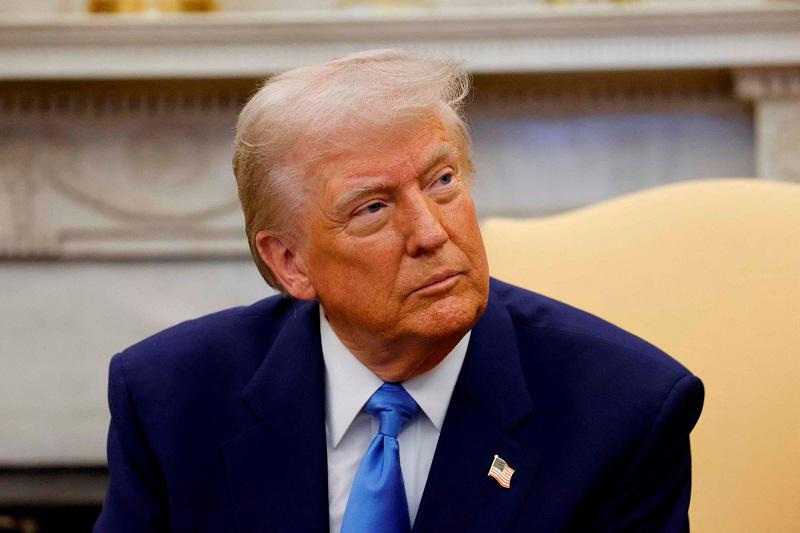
(444, 180)
(374, 207)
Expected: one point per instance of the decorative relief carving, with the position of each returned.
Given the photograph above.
(784, 149)
(133, 98)
(170, 174)
(560, 93)
(117, 172)
(776, 95)
(760, 84)
(20, 234)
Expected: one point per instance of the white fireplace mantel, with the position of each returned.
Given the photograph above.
(501, 38)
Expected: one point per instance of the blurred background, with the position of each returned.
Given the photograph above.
(118, 208)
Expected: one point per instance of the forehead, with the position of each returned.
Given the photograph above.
(398, 152)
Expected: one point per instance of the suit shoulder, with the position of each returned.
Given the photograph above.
(606, 381)
(209, 340)
(572, 332)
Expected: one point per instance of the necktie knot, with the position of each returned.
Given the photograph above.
(393, 406)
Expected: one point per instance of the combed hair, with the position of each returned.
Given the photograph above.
(298, 118)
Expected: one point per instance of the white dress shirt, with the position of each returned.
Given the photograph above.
(349, 430)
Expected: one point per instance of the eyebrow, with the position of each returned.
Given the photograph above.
(375, 184)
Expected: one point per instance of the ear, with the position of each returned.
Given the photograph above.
(287, 265)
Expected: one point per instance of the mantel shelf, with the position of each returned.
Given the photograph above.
(520, 38)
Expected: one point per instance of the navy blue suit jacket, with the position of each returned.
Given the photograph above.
(218, 424)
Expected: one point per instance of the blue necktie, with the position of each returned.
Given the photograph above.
(377, 500)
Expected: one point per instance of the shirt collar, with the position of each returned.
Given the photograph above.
(433, 389)
(349, 384)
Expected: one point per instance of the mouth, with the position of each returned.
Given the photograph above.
(438, 283)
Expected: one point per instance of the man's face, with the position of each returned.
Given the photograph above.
(393, 247)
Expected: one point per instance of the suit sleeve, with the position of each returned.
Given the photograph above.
(135, 498)
(652, 494)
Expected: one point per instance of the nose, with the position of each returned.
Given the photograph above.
(424, 230)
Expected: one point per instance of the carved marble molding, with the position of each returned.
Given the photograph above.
(602, 92)
(130, 97)
(118, 172)
(763, 84)
(778, 139)
(491, 38)
(775, 94)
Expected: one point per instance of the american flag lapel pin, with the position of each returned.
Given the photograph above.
(501, 471)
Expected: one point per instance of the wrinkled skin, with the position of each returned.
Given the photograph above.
(382, 227)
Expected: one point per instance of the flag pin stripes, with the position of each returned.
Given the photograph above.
(501, 472)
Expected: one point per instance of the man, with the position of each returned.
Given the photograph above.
(392, 385)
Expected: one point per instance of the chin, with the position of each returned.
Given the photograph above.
(448, 316)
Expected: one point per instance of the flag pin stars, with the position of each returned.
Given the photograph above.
(501, 472)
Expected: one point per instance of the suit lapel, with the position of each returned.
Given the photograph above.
(489, 403)
(277, 469)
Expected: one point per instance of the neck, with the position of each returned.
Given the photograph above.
(398, 359)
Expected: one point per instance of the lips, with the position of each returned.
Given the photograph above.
(437, 278)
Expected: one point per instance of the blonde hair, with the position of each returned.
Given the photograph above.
(298, 118)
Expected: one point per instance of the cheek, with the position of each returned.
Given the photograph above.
(463, 227)
(351, 264)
